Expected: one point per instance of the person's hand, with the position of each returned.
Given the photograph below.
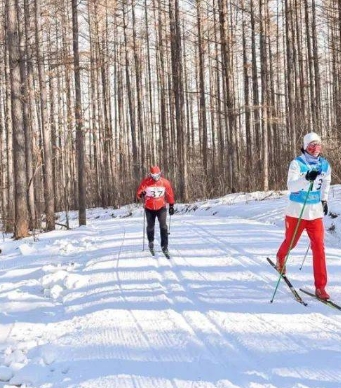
(171, 210)
(325, 207)
(142, 195)
(311, 175)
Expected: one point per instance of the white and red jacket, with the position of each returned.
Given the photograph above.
(158, 193)
(298, 187)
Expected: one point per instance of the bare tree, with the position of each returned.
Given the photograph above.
(21, 206)
(178, 95)
(45, 128)
(79, 120)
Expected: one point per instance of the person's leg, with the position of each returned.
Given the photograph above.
(290, 227)
(162, 217)
(315, 230)
(150, 216)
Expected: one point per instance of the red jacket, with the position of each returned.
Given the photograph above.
(158, 193)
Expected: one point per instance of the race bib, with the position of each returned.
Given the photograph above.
(155, 192)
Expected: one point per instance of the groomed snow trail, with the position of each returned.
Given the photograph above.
(200, 320)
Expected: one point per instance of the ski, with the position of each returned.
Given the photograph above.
(166, 253)
(327, 302)
(288, 283)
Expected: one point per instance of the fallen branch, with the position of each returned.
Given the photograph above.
(65, 226)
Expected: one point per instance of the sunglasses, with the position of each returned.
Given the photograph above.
(156, 176)
(314, 145)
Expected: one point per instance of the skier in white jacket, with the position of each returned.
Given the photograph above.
(305, 169)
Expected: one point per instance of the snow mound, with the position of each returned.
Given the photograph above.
(27, 250)
(5, 373)
(59, 280)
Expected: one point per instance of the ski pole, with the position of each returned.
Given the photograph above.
(305, 257)
(292, 240)
(144, 226)
(170, 217)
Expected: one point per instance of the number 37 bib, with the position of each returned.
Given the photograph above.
(155, 192)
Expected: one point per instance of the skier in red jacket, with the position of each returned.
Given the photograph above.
(157, 192)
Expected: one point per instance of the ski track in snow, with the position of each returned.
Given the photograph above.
(258, 322)
(199, 320)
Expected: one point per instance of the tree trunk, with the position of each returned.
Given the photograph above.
(178, 94)
(136, 168)
(21, 206)
(202, 92)
(79, 120)
(46, 130)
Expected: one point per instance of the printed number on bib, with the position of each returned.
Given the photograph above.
(319, 184)
(155, 192)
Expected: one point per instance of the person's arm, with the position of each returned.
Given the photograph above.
(296, 180)
(141, 190)
(170, 198)
(169, 193)
(326, 184)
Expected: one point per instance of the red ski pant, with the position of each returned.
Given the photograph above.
(315, 231)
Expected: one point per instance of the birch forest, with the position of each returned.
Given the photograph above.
(218, 93)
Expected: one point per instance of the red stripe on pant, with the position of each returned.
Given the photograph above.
(315, 231)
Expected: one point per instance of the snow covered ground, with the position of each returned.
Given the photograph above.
(89, 308)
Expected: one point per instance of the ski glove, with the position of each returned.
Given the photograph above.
(171, 210)
(141, 196)
(311, 175)
(325, 207)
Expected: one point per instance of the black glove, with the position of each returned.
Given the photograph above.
(171, 210)
(325, 207)
(142, 195)
(311, 175)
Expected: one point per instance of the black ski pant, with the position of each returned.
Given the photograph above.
(161, 215)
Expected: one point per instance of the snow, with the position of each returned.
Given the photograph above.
(89, 307)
